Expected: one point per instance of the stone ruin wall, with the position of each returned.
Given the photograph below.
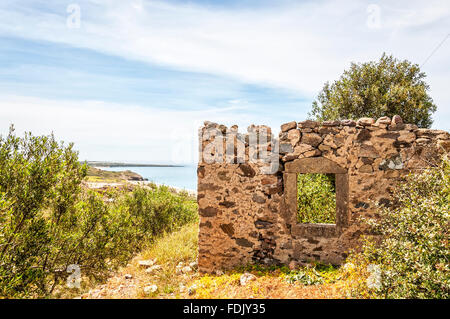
(247, 207)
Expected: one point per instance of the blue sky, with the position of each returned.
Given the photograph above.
(136, 78)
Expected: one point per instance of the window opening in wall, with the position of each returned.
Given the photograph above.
(316, 198)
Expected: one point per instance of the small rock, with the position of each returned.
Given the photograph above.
(308, 124)
(348, 123)
(396, 119)
(365, 121)
(219, 272)
(153, 269)
(383, 120)
(407, 137)
(186, 270)
(312, 139)
(288, 126)
(246, 278)
(150, 289)
(128, 276)
(192, 289)
(422, 140)
(146, 263)
(193, 265)
(331, 123)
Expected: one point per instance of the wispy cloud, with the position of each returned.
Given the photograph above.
(297, 45)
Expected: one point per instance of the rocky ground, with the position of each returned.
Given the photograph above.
(168, 269)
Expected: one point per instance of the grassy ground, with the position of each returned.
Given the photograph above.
(180, 248)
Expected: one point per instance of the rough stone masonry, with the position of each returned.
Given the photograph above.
(247, 192)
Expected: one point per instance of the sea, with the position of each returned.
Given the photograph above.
(183, 177)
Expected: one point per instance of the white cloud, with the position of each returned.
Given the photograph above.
(297, 45)
(108, 131)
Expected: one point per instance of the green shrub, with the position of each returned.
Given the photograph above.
(377, 88)
(158, 210)
(316, 198)
(48, 221)
(411, 255)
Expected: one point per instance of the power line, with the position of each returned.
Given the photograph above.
(434, 51)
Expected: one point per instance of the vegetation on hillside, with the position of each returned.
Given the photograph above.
(48, 221)
(409, 255)
(94, 174)
(374, 89)
(316, 198)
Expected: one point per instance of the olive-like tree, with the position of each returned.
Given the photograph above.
(378, 88)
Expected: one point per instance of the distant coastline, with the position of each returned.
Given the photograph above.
(118, 164)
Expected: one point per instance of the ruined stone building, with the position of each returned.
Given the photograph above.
(247, 186)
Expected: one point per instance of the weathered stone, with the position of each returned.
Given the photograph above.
(423, 140)
(383, 120)
(311, 153)
(348, 123)
(227, 204)
(227, 229)
(312, 139)
(153, 269)
(288, 126)
(365, 121)
(366, 169)
(396, 119)
(406, 137)
(208, 187)
(286, 148)
(302, 148)
(308, 124)
(150, 289)
(208, 211)
(223, 176)
(368, 151)
(294, 137)
(394, 162)
(262, 224)
(201, 171)
(390, 135)
(331, 123)
(246, 170)
(246, 278)
(363, 135)
(324, 148)
(244, 242)
(258, 199)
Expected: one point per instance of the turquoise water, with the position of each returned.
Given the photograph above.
(182, 177)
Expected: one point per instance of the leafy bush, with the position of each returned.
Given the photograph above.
(410, 258)
(316, 198)
(378, 88)
(48, 221)
(155, 211)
